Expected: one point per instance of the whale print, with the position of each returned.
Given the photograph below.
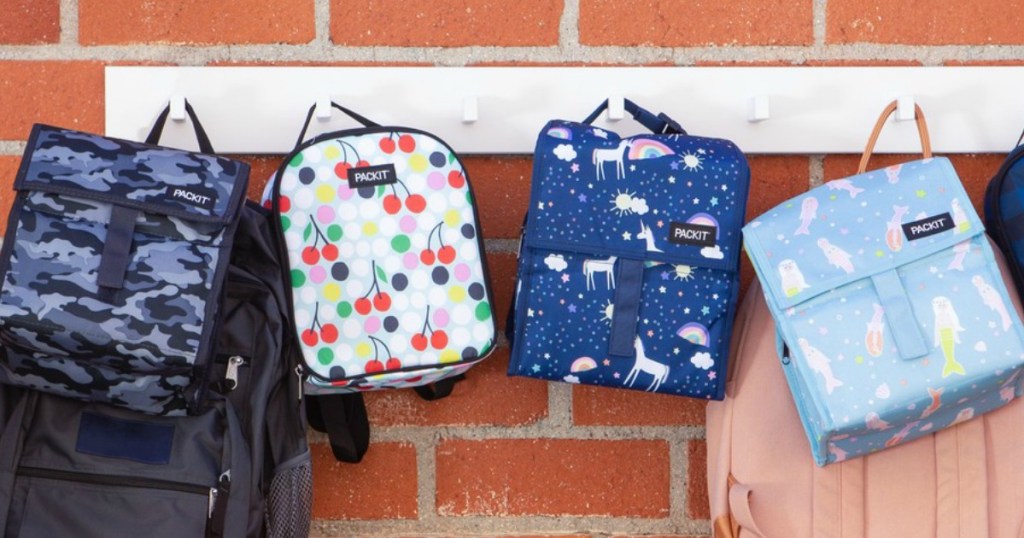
(808, 212)
(936, 395)
(844, 185)
(892, 173)
(835, 255)
(875, 422)
(902, 434)
(819, 363)
(947, 334)
(991, 298)
(894, 229)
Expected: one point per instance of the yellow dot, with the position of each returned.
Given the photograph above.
(457, 294)
(332, 152)
(363, 349)
(332, 292)
(369, 229)
(449, 355)
(879, 253)
(325, 193)
(858, 359)
(451, 217)
(418, 162)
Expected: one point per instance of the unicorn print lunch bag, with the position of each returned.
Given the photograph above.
(628, 266)
(892, 314)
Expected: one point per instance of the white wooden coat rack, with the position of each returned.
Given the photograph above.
(501, 109)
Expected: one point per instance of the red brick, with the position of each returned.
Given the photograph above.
(67, 94)
(553, 477)
(773, 180)
(30, 22)
(261, 169)
(602, 406)
(488, 396)
(502, 189)
(924, 22)
(382, 486)
(502, 267)
(445, 23)
(686, 23)
(698, 506)
(8, 169)
(195, 22)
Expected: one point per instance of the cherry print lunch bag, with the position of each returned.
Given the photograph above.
(629, 262)
(892, 315)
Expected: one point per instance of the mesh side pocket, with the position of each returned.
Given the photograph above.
(290, 502)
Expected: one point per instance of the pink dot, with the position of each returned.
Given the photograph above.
(436, 181)
(325, 214)
(372, 324)
(462, 272)
(440, 318)
(344, 192)
(407, 224)
(317, 274)
(410, 260)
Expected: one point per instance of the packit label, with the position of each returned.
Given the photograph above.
(929, 226)
(195, 196)
(700, 235)
(371, 176)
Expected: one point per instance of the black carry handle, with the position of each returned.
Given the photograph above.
(309, 117)
(440, 389)
(343, 418)
(158, 128)
(657, 123)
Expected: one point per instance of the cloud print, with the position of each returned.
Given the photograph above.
(702, 360)
(556, 262)
(565, 152)
(638, 206)
(714, 252)
(571, 379)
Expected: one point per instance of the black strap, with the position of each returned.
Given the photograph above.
(1019, 139)
(343, 418)
(117, 247)
(309, 117)
(440, 389)
(158, 128)
(657, 123)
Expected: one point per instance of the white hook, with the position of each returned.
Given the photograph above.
(177, 107)
(905, 108)
(470, 109)
(616, 107)
(323, 107)
(760, 108)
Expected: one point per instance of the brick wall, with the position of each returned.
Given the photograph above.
(502, 456)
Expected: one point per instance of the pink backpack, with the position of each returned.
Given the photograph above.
(965, 481)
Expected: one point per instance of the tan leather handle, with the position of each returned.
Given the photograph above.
(922, 130)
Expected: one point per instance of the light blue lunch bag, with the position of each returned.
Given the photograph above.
(892, 315)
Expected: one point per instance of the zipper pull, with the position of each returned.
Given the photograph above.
(231, 375)
(298, 375)
(219, 503)
(212, 503)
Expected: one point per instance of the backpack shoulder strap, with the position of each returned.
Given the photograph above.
(343, 418)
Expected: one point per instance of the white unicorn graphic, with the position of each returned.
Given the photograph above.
(645, 233)
(646, 365)
(616, 155)
(606, 266)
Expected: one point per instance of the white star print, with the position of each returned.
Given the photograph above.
(540, 205)
(627, 236)
(662, 289)
(529, 312)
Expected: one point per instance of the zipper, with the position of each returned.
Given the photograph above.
(231, 375)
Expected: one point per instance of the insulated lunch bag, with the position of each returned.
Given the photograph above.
(629, 261)
(1004, 211)
(891, 311)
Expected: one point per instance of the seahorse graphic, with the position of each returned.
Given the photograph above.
(808, 212)
(873, 339)
(894, 230)
(835, 255)
(947, 334)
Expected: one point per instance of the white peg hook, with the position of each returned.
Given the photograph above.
(760, 108)
(470, 109)
(177, 107)
(905, 108)
(323, 107)
(616, 107)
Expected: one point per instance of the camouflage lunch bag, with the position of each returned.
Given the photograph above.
(112, 268)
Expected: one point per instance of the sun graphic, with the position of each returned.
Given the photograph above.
(609, 310)
(684, 272)
(622, 204)
(691, 161)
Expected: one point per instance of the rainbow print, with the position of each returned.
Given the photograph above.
(560, 132)
(582, 364)
(695, 333)
(647, 148)
(703, 219)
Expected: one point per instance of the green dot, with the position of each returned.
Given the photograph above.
(298, 278)
(858, 359)
(483, 311)
(285, 223)
(469, 198)
(400, 243)
(879, 253)
(325, 355)
(296, 160)
(334, 232)
(344, 309)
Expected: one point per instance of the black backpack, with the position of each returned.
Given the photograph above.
(239, 468)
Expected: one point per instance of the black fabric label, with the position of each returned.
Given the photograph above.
(371, 176)
(134, 440)
(194, 196)
(700, 235)
(929, 226)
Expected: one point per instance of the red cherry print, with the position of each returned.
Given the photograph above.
(362, 164)
(363, 306)
(456, 179)
(427, 257)
(341, 170)
(392, 204)
(387, 145)
(439, 339)
(445, 255)
(419, 342)
(406, 143)
(394, 363)
(374, 366)
(382, 302)
(414, 379)
(310, 338)
(268, 204)
(329, 333)
(284, 203)
(330, 253)
(416, 203)
(310, 255)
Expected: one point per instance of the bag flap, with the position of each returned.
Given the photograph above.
(155, 179)
(667, 198)
(852, 228)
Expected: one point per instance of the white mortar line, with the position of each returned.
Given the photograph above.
(68, 22)
(322, 11)
(816, 169)
(569, 25)
(820, 14)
